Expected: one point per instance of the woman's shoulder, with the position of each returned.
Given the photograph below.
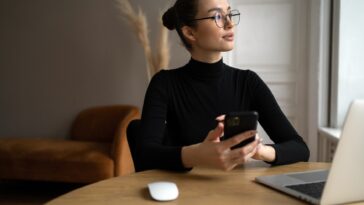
(164, 74)
(164, 77)
(242, 72)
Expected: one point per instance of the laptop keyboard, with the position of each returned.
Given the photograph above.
(312, 189)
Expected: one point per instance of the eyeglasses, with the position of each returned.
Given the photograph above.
(221, 20)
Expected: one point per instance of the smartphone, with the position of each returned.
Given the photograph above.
(238, 122)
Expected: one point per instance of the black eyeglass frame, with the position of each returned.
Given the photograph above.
(225, 18)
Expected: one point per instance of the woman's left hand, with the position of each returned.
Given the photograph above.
(264, 152)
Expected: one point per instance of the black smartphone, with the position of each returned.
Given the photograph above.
(238, 122)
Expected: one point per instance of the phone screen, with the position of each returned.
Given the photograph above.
(238, 122)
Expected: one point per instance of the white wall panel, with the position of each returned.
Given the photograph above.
(271, 40)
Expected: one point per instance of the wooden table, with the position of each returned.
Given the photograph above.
(200, 186)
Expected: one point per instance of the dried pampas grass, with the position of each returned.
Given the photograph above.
(162, 58)
(138, 22)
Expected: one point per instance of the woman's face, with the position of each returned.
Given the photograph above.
(208, 36)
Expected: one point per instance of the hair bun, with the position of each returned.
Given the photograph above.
(169, 18)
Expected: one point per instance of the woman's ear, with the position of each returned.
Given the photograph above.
(189, 34)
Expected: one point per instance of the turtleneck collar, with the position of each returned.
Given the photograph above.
(204, 70)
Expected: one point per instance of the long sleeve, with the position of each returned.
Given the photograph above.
(289, 146)
(152, 152)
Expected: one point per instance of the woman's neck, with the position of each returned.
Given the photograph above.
(206, 57)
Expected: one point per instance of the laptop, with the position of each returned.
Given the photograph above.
(344, 182)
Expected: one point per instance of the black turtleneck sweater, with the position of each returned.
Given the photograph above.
(181, 105)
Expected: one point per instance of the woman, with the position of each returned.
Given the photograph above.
(183, 108)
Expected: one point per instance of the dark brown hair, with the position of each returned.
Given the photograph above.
(181, 14)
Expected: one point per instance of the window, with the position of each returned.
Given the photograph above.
(347, 79)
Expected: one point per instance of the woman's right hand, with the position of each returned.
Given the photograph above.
(218, 154)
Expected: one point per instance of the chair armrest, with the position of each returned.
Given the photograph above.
(120, 147)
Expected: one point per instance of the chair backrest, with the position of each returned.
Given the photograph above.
(99, 123)
(132, 132)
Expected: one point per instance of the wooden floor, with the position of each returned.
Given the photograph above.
(32, 193)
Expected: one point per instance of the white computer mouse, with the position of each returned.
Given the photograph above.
(163, 191)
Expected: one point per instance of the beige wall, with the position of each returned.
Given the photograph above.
(59, 57)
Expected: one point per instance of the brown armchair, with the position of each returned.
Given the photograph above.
(97, 149)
